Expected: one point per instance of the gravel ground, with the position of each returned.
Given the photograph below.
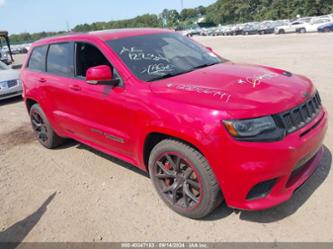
(75, 193)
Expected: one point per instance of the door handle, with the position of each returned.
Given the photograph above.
(75, 87)
(42, 80)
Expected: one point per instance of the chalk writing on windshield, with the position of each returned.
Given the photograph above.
(136, 54)
(159, 69)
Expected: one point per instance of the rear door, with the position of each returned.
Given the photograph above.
(36, 74)
(60, 77)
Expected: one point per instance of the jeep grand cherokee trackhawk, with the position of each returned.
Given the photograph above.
(206, 129)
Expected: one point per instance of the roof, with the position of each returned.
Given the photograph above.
(104, 35)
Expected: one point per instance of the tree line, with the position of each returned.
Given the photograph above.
(220, 12)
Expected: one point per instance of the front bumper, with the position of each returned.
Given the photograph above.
(246, 165)
(6, 93)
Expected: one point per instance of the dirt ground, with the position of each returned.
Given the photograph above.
(75, 193)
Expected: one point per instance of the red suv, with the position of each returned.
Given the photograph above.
(206, 129)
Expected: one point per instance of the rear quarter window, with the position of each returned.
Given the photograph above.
(60, 59)
(37, 59)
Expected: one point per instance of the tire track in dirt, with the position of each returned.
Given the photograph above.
(21, 135)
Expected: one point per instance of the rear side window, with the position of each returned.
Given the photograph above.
(37, 59)
(60, 59)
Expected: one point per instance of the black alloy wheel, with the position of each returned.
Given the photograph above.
(39, 127)
(42, 128)
(178, 181)
(184, 179)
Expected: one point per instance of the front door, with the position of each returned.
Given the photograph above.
(102, 114)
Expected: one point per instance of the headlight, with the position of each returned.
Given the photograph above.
(257, 129)
(3, 84)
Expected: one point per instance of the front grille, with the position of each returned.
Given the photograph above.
(301, 115)
(11, 83)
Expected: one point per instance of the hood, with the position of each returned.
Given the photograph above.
(9, 74)
(241, 90)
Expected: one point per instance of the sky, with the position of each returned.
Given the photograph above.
(19, 16)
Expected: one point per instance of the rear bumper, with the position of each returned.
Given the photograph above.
(247, 165)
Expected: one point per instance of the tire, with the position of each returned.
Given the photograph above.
(42, 128)
(327, 29)
(282, 31)
(302, 30)
(192, 190)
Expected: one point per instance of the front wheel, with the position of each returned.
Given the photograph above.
(183, 179)
(281, 31)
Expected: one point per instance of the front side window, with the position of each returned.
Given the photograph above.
(37, 59)
(60, 60)
(156, 56)
(88, 56)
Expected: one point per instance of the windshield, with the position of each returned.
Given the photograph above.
(3, 66)
(157, 56)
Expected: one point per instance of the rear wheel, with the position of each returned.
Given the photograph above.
(183, 179)
(42, 128)
(302, 30)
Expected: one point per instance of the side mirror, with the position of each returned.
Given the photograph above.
(100, 75)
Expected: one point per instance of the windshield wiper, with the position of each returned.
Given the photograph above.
(165, 76)
(203, 65)
(169, 75)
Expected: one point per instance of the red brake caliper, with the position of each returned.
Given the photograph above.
(168, 167)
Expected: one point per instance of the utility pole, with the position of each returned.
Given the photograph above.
(182, 5)
(67, 26)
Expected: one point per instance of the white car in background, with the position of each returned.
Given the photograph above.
(10, 85)
(290, 28)
(314, 24)
(306, 19)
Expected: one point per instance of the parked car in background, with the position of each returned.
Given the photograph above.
(289, 28)
(237, 29)
(206, 129)
(251, 28)
(306, 19)
(314, 24)
(301, 25)
(10, 85)
(221, 30)
(328, 27)
(269, 27)
(203, 32)
(227, 30)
